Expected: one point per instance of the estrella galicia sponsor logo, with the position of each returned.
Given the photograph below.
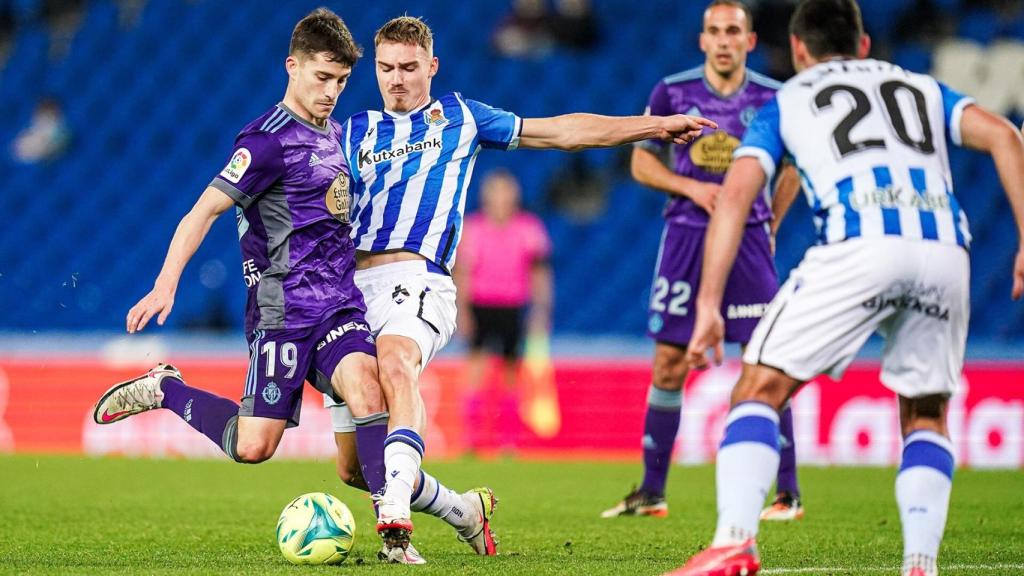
(655, 323)
(340, 331)
(271, 394)
(371, 158)
(908, 302)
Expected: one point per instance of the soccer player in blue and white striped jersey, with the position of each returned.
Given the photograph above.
(870, 141)
(412, 163)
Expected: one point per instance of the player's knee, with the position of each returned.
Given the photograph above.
(397, 369)
(924, 413)
(254, 452)
(670, 369)
(761, 384)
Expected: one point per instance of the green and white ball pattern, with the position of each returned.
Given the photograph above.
(316, 528)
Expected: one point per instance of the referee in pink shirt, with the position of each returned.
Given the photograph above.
(505, 292)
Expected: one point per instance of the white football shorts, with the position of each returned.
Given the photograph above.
(404, 299)
(914, 293)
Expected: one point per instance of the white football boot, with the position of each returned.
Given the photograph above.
(133, 396)
(395, 528)
(478, 535)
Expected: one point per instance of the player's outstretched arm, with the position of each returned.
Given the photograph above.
(991, 133)
(573, 132)
(743, 182)
(650, 171)
(187, 238)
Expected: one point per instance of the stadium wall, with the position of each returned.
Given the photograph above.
(45, 407)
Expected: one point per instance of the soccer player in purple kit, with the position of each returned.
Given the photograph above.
(290, 186)
(723, 90)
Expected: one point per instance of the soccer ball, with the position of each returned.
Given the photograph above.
(316, 528)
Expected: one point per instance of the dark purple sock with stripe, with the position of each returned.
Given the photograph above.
(371, 432)
(786, 481)
(206, 412)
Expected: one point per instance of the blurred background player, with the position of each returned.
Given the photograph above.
(726, 91)
(871, 141)
(505, 296)
(411, 163)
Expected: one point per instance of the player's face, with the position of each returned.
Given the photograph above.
(403, 75)
(726, 39)
(315, 82)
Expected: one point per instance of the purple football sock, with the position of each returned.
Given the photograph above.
(206, 412)
(371, 431)
(786, 481)
(661, 425)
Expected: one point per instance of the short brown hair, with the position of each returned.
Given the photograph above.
(828, 27)
(735, 4)
(405, 30)
(324, 31)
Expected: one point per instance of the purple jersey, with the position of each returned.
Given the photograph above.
(290, 184)
(708, 158)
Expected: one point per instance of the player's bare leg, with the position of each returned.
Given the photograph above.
(748, 459)
(661, 424)
(399, 359)
(245, 439)
(924, 482)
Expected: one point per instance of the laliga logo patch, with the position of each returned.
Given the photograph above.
(237, 166)
(655, 323)
(434, 117)
(271, 394)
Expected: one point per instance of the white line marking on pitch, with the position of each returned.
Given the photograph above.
(878, 569)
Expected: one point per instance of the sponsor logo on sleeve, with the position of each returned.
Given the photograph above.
(237, 166)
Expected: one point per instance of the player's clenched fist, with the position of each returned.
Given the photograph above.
(682, 128)
(158, 301)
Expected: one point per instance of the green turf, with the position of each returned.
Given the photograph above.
(75, 515)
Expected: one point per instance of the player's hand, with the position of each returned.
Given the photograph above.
(704, 194)
(708, 332)
(683, 129)
(1018, 275)
(157, 303)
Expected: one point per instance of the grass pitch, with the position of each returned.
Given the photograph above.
(78, 515)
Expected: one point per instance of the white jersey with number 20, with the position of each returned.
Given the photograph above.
(870, 142)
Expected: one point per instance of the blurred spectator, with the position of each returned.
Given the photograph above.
(574, 25)
(503, 278)
(7, 26)
(128, 12)
(578, 191)
(64, 17)
(46, 137)
(525, 31)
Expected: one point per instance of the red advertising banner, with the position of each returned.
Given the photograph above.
(45, 407)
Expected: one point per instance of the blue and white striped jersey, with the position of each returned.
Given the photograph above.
(871, 142)
(411, 172)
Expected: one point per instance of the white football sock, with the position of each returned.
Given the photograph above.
(923, 486)
(747, 463)
(403, 454)
(434, 498)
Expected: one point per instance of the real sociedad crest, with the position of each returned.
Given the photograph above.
(434, 117)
